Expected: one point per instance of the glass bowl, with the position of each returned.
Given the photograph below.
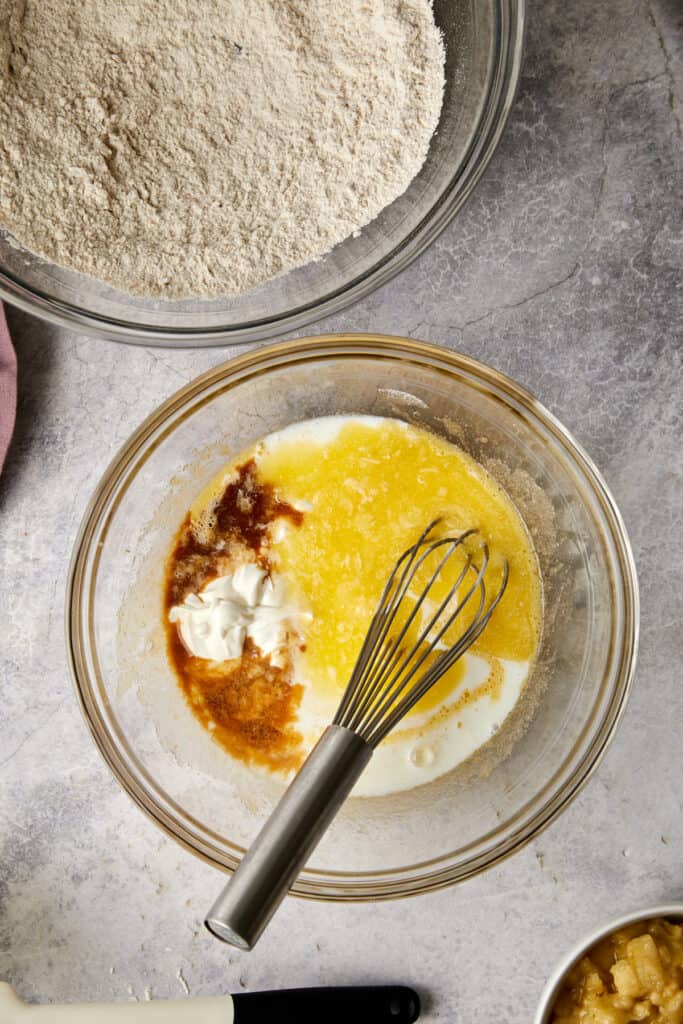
(378, 847)
(483, 59)
(554, 984)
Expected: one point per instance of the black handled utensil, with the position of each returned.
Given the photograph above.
(370, 1004)
(381, 1004)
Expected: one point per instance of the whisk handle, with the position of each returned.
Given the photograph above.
(290, 835)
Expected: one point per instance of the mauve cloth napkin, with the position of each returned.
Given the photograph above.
(8, 387)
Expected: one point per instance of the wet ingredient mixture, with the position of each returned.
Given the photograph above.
(276, 574)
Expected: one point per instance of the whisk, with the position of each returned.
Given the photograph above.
(408, 647)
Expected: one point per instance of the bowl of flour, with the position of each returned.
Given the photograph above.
(193, 173)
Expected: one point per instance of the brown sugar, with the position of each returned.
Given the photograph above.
(248, 506)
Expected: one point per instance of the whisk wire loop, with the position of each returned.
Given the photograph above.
(423, 648)
(382, 688)
(441, 665)
(380, 674)
(378, 627)
(403, 668)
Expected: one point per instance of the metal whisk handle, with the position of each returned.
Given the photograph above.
(288, 838)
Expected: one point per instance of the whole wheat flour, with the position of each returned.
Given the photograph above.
(199, 147)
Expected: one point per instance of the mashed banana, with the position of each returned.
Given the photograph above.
(633, 975)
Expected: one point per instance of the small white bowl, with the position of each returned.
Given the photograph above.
(554, 983)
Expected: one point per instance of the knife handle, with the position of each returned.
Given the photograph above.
(372, 1004)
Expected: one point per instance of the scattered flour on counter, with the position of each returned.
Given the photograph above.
(188, 147)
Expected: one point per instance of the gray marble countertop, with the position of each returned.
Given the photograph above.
(562, 271)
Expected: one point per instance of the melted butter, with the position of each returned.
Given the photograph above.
(450, 681)
(369, 491)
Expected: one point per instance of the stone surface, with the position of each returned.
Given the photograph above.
(562, 271)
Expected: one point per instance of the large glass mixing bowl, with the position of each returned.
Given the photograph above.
(378, 847)
(483, 59)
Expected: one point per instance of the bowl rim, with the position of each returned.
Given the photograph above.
(339, 885)
(567, 961)
(510, 32)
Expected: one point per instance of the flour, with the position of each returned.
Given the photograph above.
(196, 147)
